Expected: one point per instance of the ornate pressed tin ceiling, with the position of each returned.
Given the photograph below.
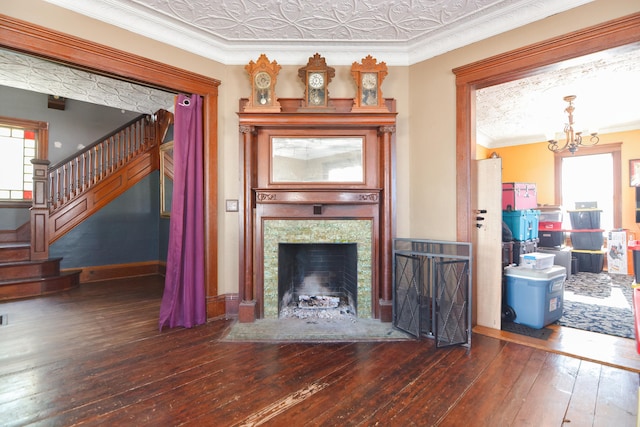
(532, 109)
(402, 32)
(38, 75)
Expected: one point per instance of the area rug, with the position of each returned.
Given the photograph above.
(314, 330)
(599, 302)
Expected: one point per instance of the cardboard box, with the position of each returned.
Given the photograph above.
(617, 260)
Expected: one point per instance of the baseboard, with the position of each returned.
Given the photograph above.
(120, 271)
(223, 306)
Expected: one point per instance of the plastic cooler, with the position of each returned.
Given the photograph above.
(536, 296)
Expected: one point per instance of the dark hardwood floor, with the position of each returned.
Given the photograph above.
(94, 356)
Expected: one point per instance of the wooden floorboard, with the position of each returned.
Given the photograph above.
(94, 356)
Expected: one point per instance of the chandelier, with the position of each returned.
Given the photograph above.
(573, 139)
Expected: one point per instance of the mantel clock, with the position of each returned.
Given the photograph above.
(316, 76)
(263, 75)
(368, 76)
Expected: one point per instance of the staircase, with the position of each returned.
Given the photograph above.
(22, 277)
(68, 193)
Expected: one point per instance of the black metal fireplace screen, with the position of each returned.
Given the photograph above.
(432, 290)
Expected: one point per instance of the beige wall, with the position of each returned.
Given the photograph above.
(425, 94)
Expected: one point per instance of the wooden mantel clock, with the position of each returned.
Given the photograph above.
(316, 76)
(368, 76)
(263, 75)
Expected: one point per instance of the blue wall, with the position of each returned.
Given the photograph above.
(127, 230)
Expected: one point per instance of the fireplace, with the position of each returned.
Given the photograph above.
(296, 191)
(334, 253)
(317, 280)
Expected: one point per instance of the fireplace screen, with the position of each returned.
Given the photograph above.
(317, 280)
(432, 289)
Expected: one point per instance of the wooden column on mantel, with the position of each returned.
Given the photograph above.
(247, 309)
(256, 129)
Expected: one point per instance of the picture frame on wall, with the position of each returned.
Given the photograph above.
(634, 173)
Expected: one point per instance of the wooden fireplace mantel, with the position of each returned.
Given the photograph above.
(372, 198)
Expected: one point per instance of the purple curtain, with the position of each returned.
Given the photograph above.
(183, 301)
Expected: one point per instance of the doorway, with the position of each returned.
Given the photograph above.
(515, 65)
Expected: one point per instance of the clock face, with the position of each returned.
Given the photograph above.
(263, 80)
(316, 80)
(369, 80)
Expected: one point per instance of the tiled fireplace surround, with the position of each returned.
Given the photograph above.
(360, 213)
(278, 231)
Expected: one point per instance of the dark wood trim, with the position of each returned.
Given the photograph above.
(42, 133)
(615, 149)
(35, 40)
(120, 271)
(514, 65)
(21, 234)
(373, 198)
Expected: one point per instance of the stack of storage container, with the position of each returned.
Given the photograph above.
(552, 236)
(519, 203)
(587, 239)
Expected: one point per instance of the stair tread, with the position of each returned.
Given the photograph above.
(4, 245)
(28, 262)
(40, 279)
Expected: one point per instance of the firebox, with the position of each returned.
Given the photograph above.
(317, 280)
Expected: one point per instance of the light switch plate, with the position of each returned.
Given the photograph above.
(232, 205)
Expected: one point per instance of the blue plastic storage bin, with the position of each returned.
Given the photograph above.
(536, 296)
(522, 223)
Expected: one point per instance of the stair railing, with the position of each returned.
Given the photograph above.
(74, 175)
(56, 186)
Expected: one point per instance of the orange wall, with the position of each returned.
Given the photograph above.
(534, 163)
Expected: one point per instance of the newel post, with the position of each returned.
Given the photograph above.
(40, 210)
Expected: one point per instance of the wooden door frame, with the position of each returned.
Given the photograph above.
(22, 36)
(513, 65)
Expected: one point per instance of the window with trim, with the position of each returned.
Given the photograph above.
(20, 142)
(599, 179)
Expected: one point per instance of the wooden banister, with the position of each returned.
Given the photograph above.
(74, 175)
(130, 152)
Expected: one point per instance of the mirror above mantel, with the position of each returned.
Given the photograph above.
(317, 159)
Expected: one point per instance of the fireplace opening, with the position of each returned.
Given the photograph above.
(317, 280)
